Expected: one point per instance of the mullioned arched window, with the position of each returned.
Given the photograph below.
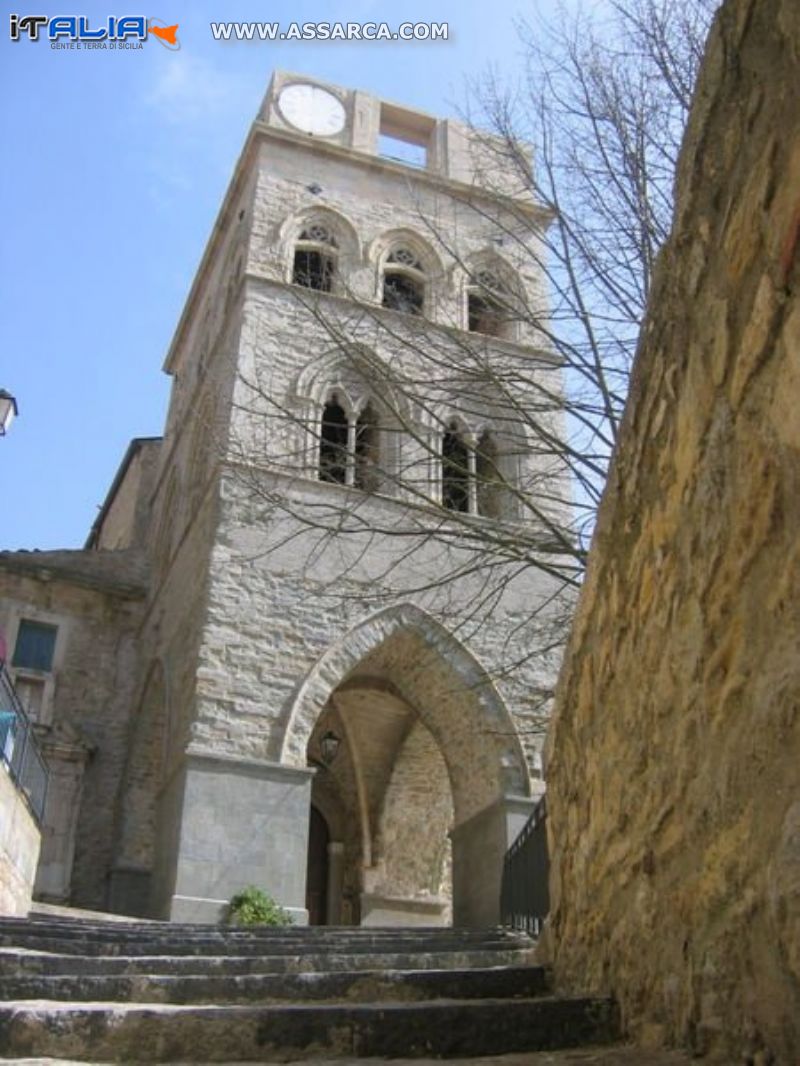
(404, 281)
(457, 469)
(494, 297)
(350, 444)
(490, 485)
(333, 442)
(315, 254)
(472, 478)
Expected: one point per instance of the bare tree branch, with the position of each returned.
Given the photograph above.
(528, 397)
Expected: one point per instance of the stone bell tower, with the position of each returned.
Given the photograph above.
(325, 449)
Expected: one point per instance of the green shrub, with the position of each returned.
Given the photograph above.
(253, 906)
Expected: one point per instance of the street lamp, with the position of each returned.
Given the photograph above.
(8, 411)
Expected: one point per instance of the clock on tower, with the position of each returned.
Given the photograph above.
(311, 109)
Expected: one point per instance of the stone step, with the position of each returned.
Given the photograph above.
(27, 962)
(208, 934)
(110, 948)
(47, 911)
(150, 925)
(118, 928)
(114, 1032)
(157, 932)
(364, 986)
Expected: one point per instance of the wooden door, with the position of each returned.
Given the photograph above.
(317, 870)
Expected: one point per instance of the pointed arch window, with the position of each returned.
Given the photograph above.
(472, 479)
(458, 470)
(367, 450)
(333, 443)
(404, 282)
(488, 310)
(315, 258)
(350, 446)
(488, 480)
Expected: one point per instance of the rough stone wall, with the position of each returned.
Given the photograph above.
(416, 818)
(147, 750)
(290, 336)
(19, 849)
(286, 336)
(674, 776)
(163, 714)
(277, 604)
(97, 600)
(180, 533)
(264, 626)
(126, 517)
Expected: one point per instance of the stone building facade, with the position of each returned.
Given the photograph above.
(261, 576)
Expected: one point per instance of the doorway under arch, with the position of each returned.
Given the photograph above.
(318, 868)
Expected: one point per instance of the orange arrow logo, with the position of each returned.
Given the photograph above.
(166, 33)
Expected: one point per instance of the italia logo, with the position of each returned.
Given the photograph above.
(79, 28)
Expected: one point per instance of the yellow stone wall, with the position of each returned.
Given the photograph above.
(674, 768)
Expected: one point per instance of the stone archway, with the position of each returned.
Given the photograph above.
(423, 730)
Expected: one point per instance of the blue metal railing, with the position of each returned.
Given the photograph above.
(19, 749)
(524, 897)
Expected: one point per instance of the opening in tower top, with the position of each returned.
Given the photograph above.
(405, 136)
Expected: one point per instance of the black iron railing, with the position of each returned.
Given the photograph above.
(19, 750)
(525, 899)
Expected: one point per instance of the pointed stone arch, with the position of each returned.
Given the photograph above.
(405, 237)
(405, 255)
(461, 678)
(356, 370)
(498, 270)
(405, 649)
(358, 379)
(344, 240)
(492, 295)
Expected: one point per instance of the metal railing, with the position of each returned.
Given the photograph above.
(525, 898)
(19, 749)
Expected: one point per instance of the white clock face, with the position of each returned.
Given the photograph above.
(312, 110)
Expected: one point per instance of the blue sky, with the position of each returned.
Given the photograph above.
(115, 165)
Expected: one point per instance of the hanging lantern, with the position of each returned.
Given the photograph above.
(328, 747)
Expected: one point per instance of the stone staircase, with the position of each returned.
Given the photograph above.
(155, 992)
